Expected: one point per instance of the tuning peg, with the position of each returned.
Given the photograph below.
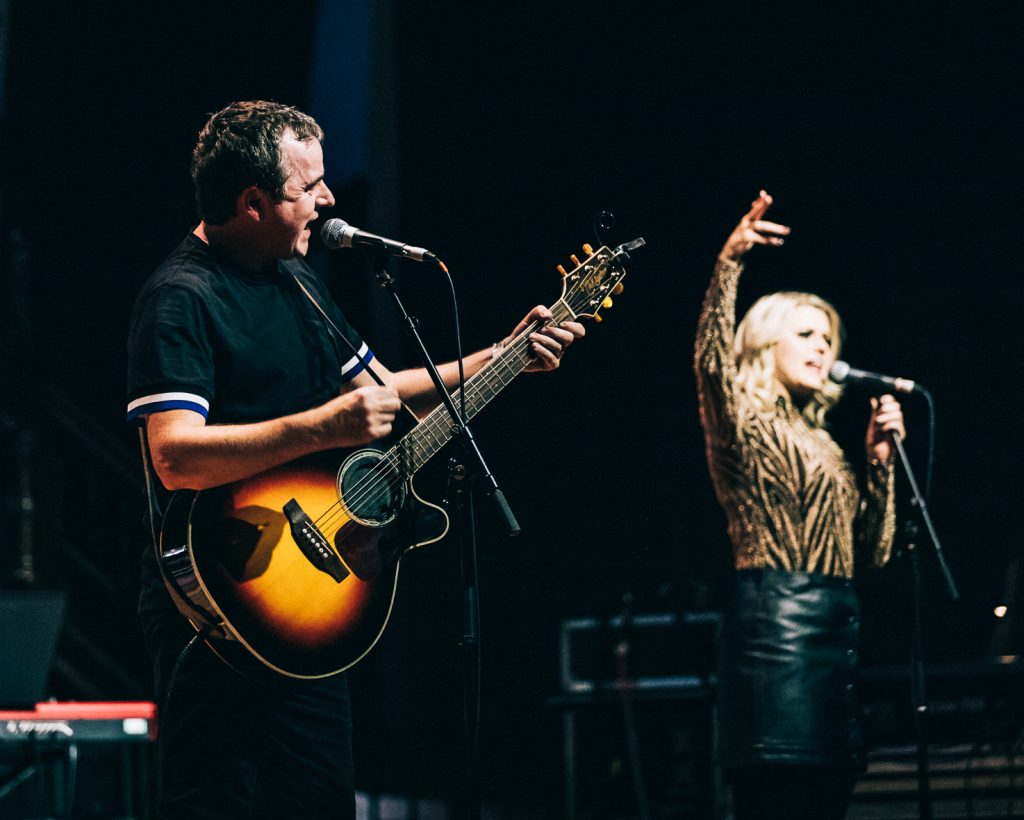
(575, 259)
(587, 249)
(619, 287)
(561, 269)
(607, 303)
(598, 318)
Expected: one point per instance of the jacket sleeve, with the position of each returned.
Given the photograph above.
(714, 363)
(876, 522)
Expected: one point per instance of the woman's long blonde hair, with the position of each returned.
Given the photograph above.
(754, 349)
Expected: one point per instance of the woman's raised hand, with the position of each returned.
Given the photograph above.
(753, 230)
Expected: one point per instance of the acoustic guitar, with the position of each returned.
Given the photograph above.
(296, 568)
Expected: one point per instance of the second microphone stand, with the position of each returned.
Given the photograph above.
(918, 693)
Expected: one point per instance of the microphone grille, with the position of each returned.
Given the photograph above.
(332, 233)
(839, 371)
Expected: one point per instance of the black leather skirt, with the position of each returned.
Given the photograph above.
(787, 672)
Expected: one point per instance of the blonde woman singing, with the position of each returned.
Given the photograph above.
(790, 735)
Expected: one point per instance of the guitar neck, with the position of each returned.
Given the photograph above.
(436, 429)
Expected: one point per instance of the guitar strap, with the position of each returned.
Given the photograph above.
(331, 326)
(207, 619)
(151, 499)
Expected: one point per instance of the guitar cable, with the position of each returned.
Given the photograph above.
(151, 797)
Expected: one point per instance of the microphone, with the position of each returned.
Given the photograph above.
(337, 233)
(842, 373)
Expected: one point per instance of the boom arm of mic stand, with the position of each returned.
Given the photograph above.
(462, 431)
(922, 509)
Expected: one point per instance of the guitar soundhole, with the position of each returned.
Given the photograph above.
(371, 488)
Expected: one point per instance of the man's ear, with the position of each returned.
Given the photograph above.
(251, 203)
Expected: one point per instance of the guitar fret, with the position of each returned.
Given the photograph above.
(429, 442)
(420, 454)
(435, 430)
(435, 437)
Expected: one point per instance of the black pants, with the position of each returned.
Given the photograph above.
(232, 747)
(781, 792)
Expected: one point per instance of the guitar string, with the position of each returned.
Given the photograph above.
(436, 430)
(388, 482)
(433, 426)
(386, 471)
(437, 426)
(385, 476)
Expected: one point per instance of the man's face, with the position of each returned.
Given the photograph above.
(304, 191)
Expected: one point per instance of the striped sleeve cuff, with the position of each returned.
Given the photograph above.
(357, 364)
(156, 402)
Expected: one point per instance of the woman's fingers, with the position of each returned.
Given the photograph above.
(888, 415)
(756, 238)
(761, 226)
(753, 230)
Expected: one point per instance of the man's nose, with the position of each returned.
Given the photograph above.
(326, 197)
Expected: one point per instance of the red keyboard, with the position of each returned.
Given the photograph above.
(73, 722)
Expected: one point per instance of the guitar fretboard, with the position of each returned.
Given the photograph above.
(436, 429)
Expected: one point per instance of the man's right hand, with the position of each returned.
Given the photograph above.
(360, 415)
(190, 454)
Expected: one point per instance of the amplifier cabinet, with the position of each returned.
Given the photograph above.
(637, 716)
(651, 651)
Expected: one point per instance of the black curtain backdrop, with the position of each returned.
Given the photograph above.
(888, 138)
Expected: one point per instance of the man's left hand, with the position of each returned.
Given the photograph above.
(548, 343)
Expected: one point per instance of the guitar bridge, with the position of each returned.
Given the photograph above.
(313, 544)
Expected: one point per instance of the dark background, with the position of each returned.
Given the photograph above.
(888, 138)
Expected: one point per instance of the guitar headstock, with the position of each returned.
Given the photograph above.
(590, 285)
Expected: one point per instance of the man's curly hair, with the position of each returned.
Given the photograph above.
(241, 146)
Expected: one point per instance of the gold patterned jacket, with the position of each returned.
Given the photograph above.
(789, 494)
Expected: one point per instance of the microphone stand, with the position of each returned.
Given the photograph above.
(624, 687)
(460, 497)
(465, 526)
(918, 693)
